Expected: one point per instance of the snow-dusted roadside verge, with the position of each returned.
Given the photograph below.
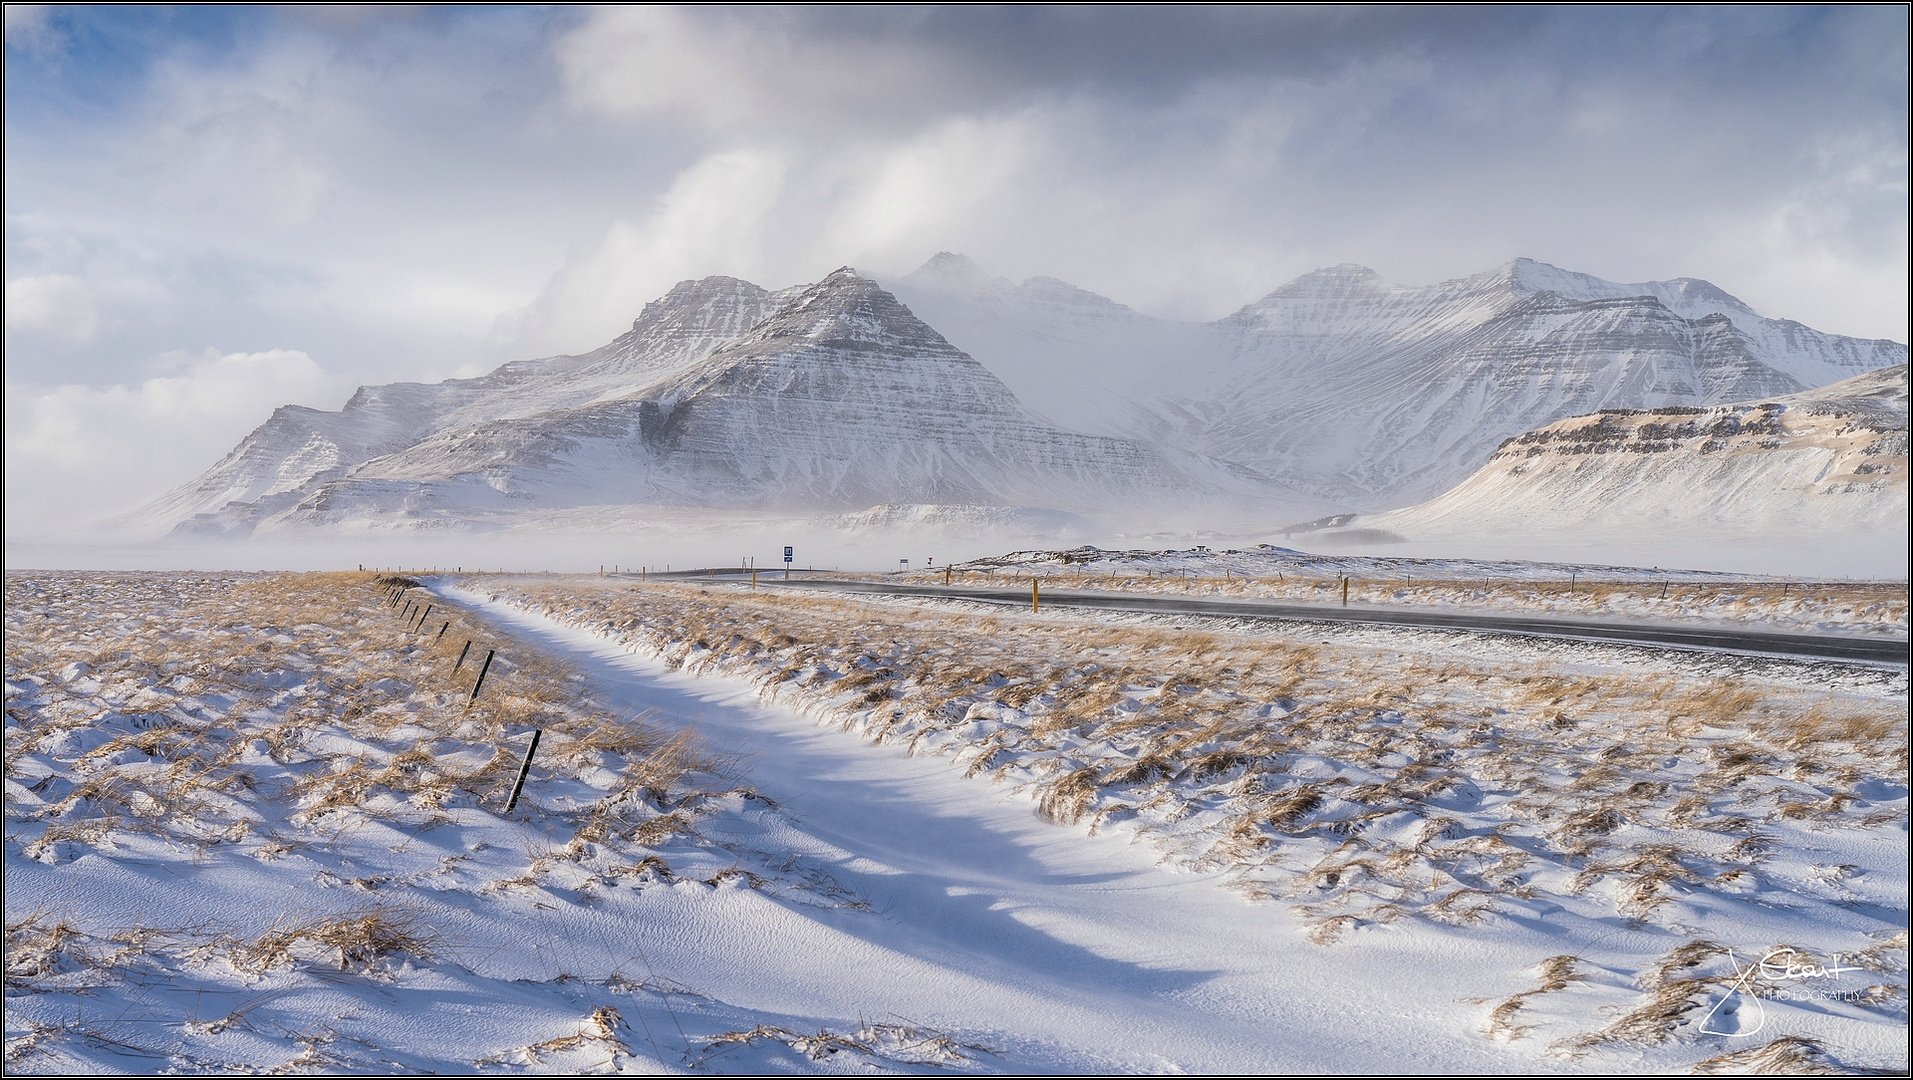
(1653, 829)
(255, 822)
(1560, 590)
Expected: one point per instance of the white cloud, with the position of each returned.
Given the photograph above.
(712, 220)
(243, 145)
(900, 202)
(58, 306)
(453, 187)
(78, 453)
(27, 28)
(726, 70)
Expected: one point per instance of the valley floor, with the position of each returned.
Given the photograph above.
(255, 822)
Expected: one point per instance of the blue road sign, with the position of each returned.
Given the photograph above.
(789, 555)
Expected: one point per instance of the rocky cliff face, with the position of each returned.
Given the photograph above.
(1829, 460)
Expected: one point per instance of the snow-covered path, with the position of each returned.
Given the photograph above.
(1062, 950)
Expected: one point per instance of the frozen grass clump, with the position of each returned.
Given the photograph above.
(1373, 780)
(1362, 785)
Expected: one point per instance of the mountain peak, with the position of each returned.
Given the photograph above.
(1683, 292)
(700, 294)
(950, 263)
(1330, 281)
(1526, 276)
(1346, 272)
(844, 307)
(1690, 298)
(956, 273)
(1343, 275)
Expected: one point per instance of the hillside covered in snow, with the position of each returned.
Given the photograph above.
(1373, 394)
(831, 397)
(1831, 460)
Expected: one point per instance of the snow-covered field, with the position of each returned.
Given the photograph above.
(253, 822)
(1657, 819)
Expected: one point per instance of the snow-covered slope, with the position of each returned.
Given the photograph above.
(840, 400)
(299, 448)
(1372, 393)
(1831, 460)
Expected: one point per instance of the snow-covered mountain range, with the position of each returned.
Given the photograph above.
(829, 397)
(1338, 391)
(1826, 461)
(1369, 393)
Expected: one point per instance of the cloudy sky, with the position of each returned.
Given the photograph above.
(213, 211)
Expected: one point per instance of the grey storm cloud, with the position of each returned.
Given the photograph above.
(312, 198)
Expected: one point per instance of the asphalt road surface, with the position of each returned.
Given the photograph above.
(1874, 650)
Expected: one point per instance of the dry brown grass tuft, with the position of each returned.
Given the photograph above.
(39, 946)
(885, 1044)
(1789, 1055)
(602, 1030)
(1555, 973)
(1067, 799)
(361, 940)
(1237, 750)
(1668, 998)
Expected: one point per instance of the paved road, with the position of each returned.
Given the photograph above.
(1706, 639)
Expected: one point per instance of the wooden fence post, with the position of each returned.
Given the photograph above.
(524, 769)
(461, 656)
(489, 653)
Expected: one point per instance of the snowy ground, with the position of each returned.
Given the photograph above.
(1560, 589)
(252, 823)
(1371, 790)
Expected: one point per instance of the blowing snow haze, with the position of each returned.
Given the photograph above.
(218, 217)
